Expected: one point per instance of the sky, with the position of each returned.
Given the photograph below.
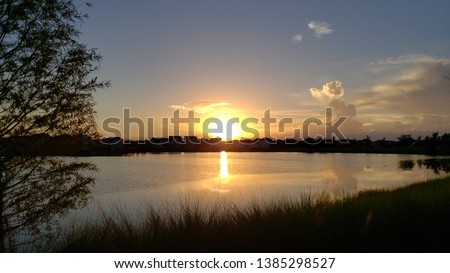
(382, 64)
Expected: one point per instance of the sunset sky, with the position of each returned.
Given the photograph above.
(382, 63)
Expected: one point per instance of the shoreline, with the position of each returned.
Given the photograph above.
(130, 151)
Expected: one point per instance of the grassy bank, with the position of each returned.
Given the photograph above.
(415, 218)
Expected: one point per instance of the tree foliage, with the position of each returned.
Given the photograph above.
(47, 80)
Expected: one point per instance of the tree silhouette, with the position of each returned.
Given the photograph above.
(405, 140)
(432, 142)
(46, 88)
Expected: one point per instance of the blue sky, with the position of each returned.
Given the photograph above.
(239, 58)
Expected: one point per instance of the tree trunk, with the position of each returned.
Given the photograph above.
(2, 233)
(2, 226)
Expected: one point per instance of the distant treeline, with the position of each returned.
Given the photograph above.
(65, 145)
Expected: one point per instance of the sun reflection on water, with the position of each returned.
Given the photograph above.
(223, 165)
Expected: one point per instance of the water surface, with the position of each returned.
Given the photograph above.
(240, 178)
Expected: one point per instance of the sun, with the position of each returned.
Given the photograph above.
(231, 129)
(227, 126)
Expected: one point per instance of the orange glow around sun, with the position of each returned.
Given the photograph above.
(231, 125)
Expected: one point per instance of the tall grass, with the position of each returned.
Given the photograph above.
(415, 218)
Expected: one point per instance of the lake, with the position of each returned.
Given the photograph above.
(165, 180)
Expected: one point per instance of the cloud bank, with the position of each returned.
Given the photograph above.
(410, 95)
(412, 84)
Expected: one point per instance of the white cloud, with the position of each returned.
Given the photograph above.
(297, 38)
(330, 91)
(201, 106)
(320, 28)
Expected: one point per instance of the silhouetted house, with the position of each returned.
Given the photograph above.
(269, 140)
(69, 145)
(289, 141)
(246, 141)
(236, 144)
(175, 142)
(192, 140)
(366, 142)
(262, 143)
(383, 143)
(176, 139)
(158, 143)
(112, 144)
(213, 141)
(113, 141)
